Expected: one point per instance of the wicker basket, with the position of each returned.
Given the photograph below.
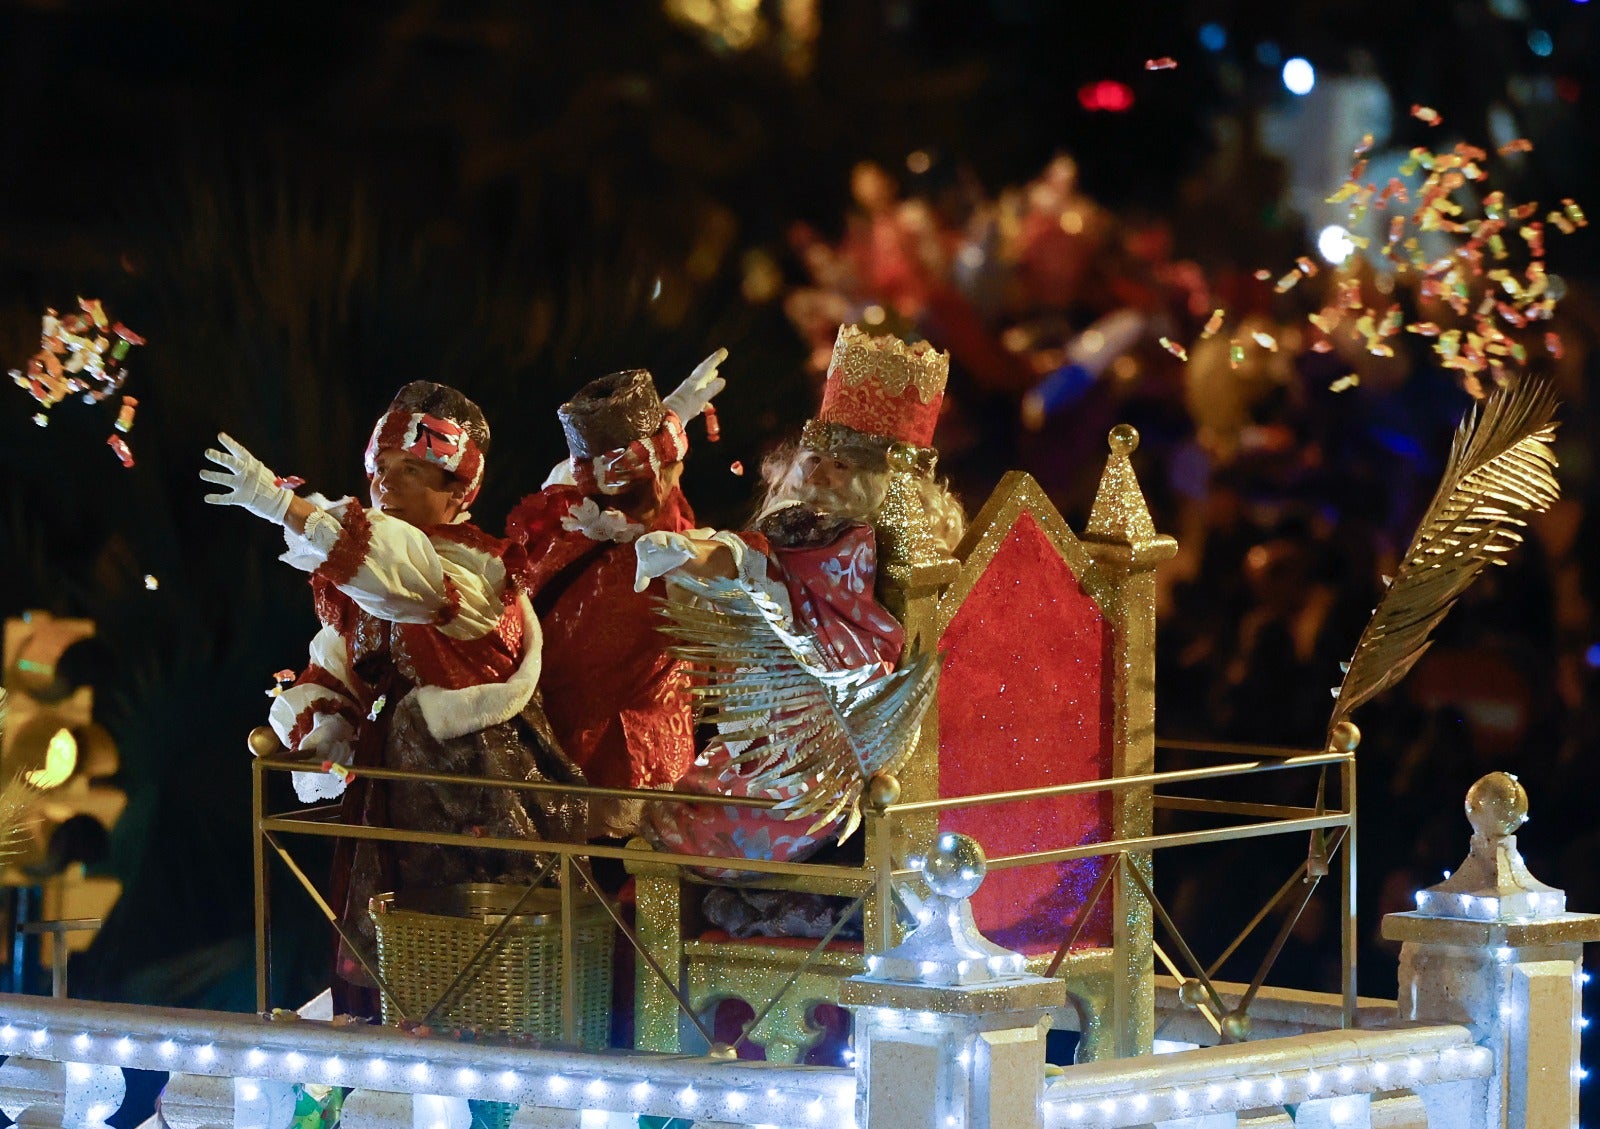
(425, 938)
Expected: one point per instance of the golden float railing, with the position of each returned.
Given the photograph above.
(879, 874)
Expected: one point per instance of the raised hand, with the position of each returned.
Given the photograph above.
(690, 398)
(247, 481)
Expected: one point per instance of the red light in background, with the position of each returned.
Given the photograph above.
(1568, 89)
(1106, 94)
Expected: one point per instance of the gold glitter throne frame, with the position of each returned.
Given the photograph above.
(1111, 989)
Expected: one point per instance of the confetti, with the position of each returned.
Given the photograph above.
(1426, 114)
(1165, 63)
(1174, 348)
(1344, 383)
(736, 467)
(713, 428)
(290, 481)
(80, 353)
(377, 707)
(1213, 324)
(150, 582)
(120, 449)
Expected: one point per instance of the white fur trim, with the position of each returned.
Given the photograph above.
(455, 713)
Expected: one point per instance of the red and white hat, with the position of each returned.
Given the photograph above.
(437, 424)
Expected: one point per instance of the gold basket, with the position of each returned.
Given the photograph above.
(426, 937)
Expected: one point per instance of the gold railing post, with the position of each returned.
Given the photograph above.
(569, 953)
(259, 857)
(1347, 877)
(1125, 548)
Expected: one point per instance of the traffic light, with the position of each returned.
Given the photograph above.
(51, 738)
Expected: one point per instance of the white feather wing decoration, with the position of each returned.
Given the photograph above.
(819, 731)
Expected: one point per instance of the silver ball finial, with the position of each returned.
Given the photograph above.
(956, 866)
(1497, 805)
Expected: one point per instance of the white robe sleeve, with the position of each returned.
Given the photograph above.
(400, 574)
(314, 717)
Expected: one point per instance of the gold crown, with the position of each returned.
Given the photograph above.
(889, 362)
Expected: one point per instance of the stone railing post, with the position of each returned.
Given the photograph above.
(1493, 948)
(949, 1029)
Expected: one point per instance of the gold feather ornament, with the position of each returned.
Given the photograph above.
(1501, 468)
(811, 729)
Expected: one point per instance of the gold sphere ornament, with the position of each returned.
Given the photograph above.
(883, 789)
(1344, 738)
(1123, 439)
(956, 866)
(1236, 1026)
(722, 1050)
(1192, 993)
(1497, 805)
(263, 742)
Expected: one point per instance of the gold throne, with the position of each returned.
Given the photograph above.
(1049, 673)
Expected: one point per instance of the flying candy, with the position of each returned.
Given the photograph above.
(1426, 114)
(1165, 63)
(150, 582)
(1174, 348)
(120, 449)
(1213, 323)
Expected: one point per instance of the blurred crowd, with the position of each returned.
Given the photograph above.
(1292, 472)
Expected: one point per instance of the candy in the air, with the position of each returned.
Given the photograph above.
(1174, 348)
(284, 675)
(1266, 341)
(713, 428)
(377, 707)
(1426, 114)
(150, 582)
(1552, 345)
(125, 412)
(1263, 274)
(736, 468)
(41, 419)
(120, 449)
(1213, 323)
(1165, 63)
(1349, 380)
(290, 481)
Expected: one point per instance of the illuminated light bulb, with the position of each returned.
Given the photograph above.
(80, 1042)
(814, 1110)
(1347, 1073)
(333, 1065)
(595, 1088)
(1583, 1022)
(249, 1091)
(1579, 1073)
(873, 963)
(1141, 1102)
(1180, 1096)
(124, 1047)
(256, 1056)
(1109, 1106)
(466, 1076)
(1075, 1110)
(1380, 1070)
(1414, 1066)
(167, 1048)
(78, 1072)
(294, 1060)
(1214, 1091)
(377, 1068)
(60, 758)
(1299, 76)
(1502, 953)
(1243, 1087)
(1583, 977)
(687, 1095)
(1275, 1088)
(1421, 897)
(1335, 246)
(1313, 1081)
(419, 1071)
(736, 1098)
(557, 1084)
(206, 1053)
(508, 1078)
(928, 968)
(40, 1037)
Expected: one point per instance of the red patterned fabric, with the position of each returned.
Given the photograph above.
(355, 541)
(866, 407)
(1025, 701)
(617, 701)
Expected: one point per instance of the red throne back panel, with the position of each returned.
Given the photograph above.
(1024, 702)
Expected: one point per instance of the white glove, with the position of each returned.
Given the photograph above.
(658, 554)
(329, 740)
(690, 398)
(249, 483)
